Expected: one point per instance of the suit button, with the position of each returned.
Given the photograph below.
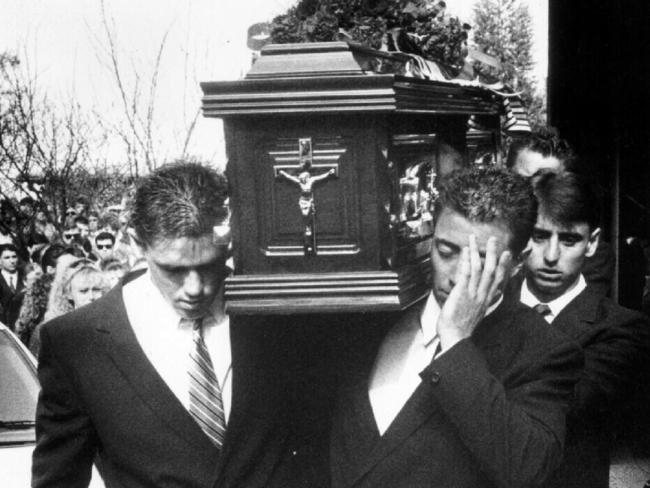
(435, 377)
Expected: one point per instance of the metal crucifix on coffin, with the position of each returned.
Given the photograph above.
(306, 182)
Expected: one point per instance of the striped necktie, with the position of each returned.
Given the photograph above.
(206, 405)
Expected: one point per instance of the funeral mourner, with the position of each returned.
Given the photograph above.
(373, 297)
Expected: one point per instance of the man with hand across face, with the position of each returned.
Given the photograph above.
(466, 389)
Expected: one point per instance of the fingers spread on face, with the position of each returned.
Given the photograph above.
(489, 269)
(501, 273)
(475, 265)
(463, 269)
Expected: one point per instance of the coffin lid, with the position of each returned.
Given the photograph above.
(335, 77)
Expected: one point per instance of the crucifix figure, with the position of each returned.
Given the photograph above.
(305, 180)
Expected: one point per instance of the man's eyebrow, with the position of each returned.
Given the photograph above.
(570, 235)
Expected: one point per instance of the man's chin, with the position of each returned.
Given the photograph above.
(548, 290)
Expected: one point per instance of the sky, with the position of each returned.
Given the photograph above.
(63, 45)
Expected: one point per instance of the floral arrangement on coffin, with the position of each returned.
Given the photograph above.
(419, 28)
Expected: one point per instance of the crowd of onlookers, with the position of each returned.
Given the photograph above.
(48, 269)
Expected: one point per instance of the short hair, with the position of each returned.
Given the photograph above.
(547, 142)
(80, 219)
(8, 247)
(93, 213)
(26, 201)
(110, 264)
(102, 236)
(51, 255)
(568, 198)
(109, 219)
(491, 194)
(74, 251)
(179, 200)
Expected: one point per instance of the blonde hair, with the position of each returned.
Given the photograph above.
(59, 302)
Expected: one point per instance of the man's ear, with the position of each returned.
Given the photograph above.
(592, 242)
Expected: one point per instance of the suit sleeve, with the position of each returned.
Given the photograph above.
(65, 439)
(515, 433)
(614, 363)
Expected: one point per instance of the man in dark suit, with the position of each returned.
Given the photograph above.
(466, 389)
(152, 381)
(614, 339)
(544, 150)
(12, 283)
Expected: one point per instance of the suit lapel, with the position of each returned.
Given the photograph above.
(579, 315)
(128, 357)
(421, 408)
(4, 286)
(416, 412)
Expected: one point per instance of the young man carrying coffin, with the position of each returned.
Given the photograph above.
(467, 389)
(614, 339)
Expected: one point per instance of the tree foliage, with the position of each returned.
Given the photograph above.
(45, 147)
(503, 29)
(416, 26)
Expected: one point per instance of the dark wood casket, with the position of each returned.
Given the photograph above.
(333, 150)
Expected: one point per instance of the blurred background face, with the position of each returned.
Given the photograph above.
(8, 261)
(104, 248)
(69, 236)
(93, 223)
(530, 162)
(114, 275)
(34, 273)
(27, 209)
(86, 287)
(83, 230)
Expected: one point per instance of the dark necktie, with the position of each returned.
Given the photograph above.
(206, 405)
(543, 309)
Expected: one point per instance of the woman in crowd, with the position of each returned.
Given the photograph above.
(77, 282)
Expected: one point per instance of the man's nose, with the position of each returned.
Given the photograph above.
(552, 251)
(193, 284)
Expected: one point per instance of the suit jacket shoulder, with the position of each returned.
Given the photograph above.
(490, 411)
(100, 390)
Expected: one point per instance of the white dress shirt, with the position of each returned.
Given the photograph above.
(406, 350)
(167, 340)
(557, 305)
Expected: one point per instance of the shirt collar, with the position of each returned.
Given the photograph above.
(430, 314)
(558, 304)
(428, 320)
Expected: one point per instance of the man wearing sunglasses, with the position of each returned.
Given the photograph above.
(105, 244)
